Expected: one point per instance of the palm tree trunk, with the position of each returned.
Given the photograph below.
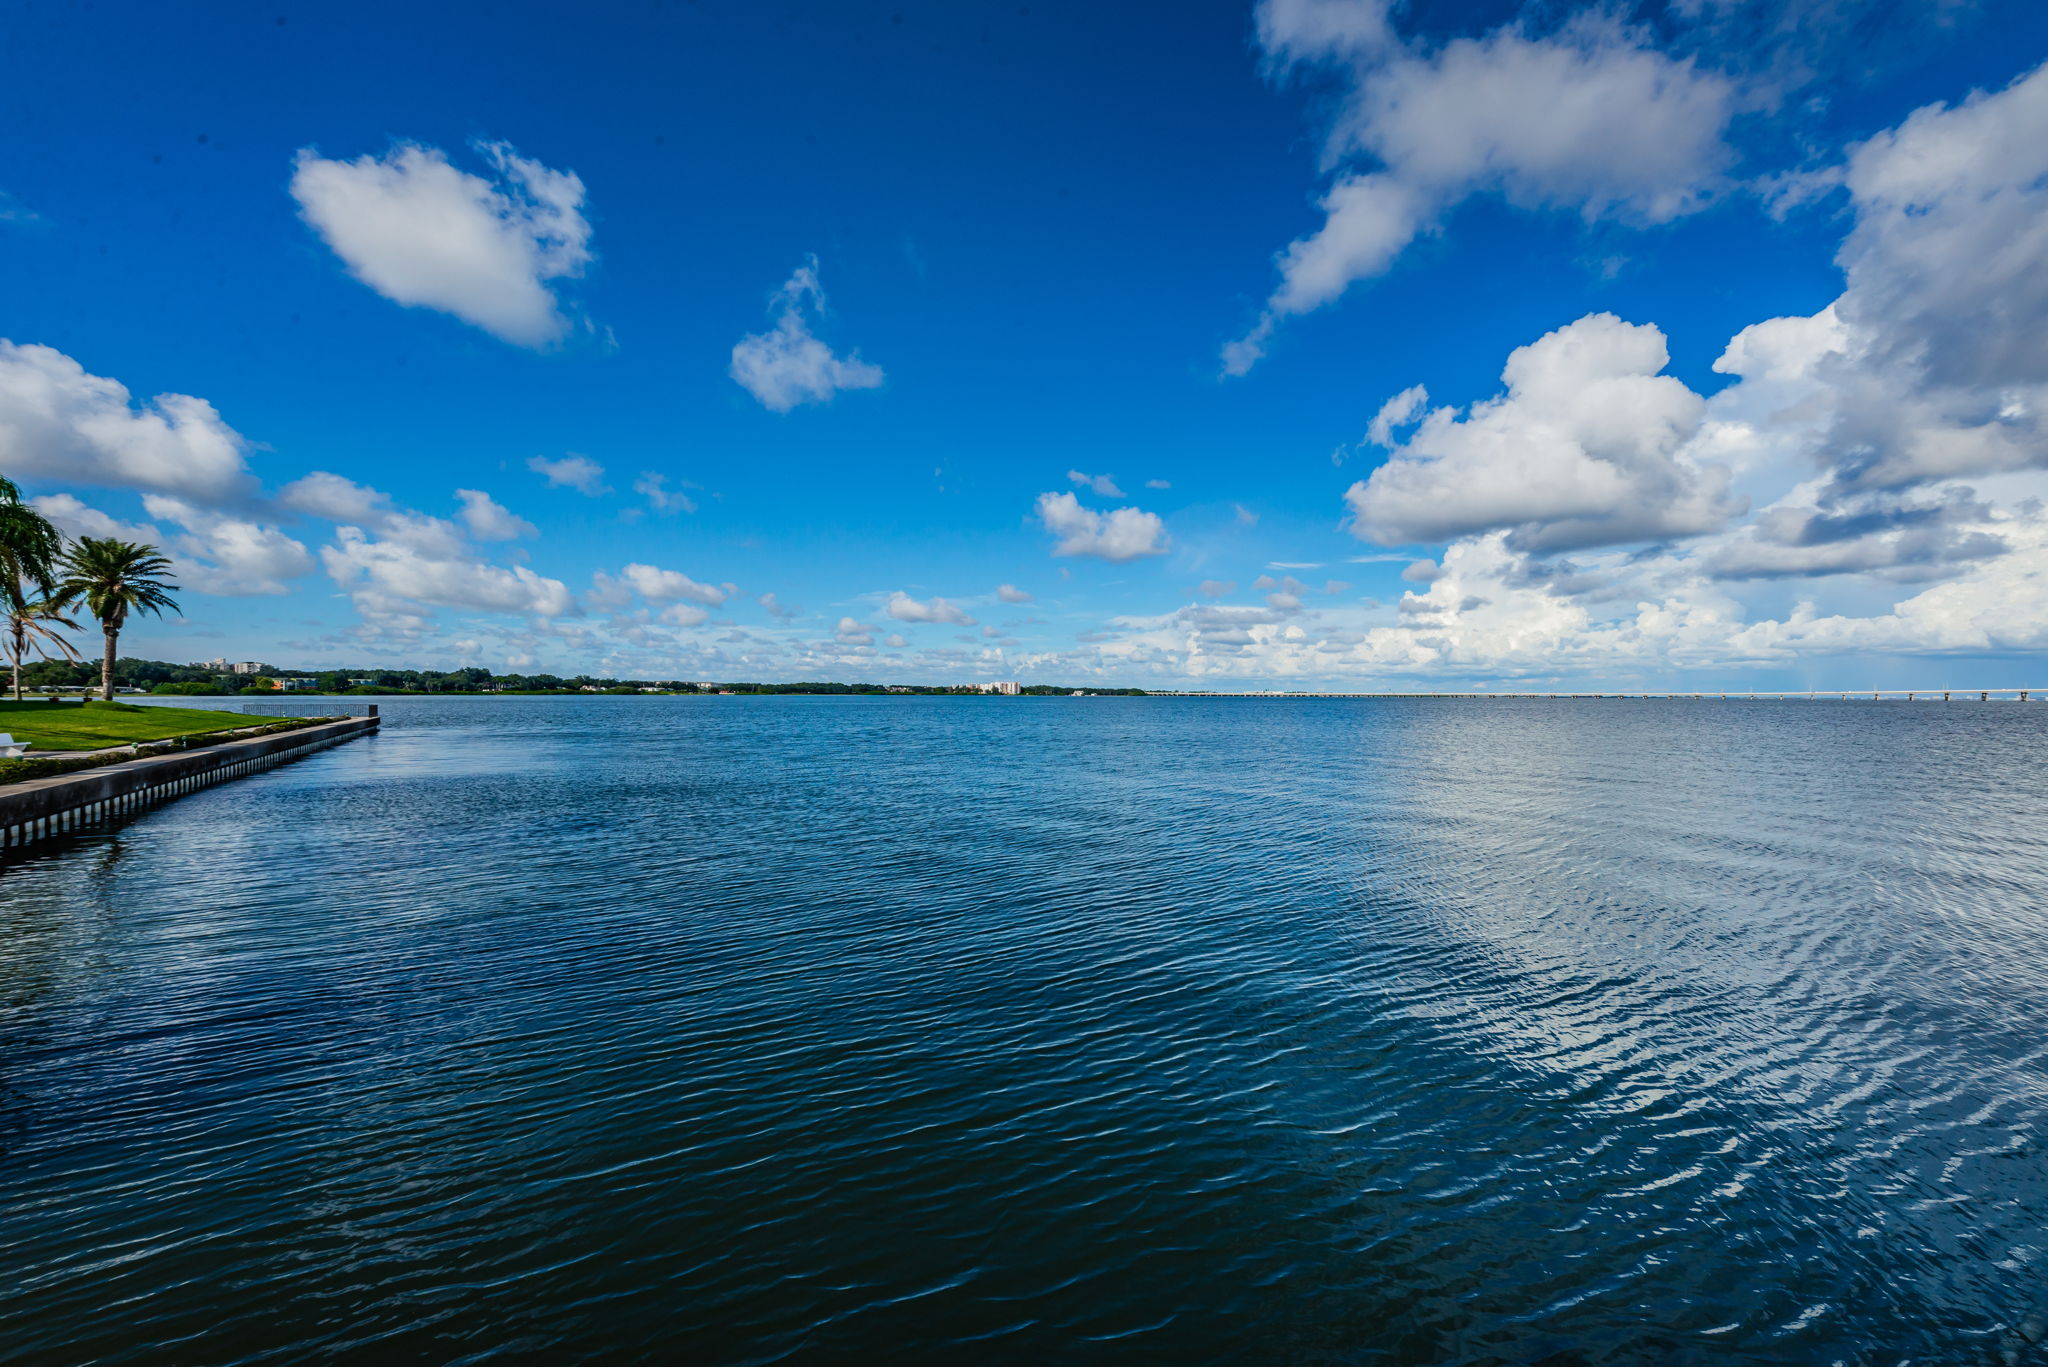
(20, 645)
(107, 666)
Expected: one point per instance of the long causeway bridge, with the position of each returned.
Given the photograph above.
(1815, 695)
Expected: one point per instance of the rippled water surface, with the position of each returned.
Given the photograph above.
(736, 1030)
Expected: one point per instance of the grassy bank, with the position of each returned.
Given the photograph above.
(96, 725)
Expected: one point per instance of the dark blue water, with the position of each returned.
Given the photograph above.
(728, 1030)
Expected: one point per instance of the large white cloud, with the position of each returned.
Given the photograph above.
(424, 233)
(1588, 447)
(1589, 120)
(1124, 534)
(212, 552)
(396, 570)
(57, 421)
(227, 555)
(787, 365)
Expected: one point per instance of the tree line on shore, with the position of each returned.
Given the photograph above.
(198, 680)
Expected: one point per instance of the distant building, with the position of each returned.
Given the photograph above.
(1010, 688)
(244, 667)
(295, 685)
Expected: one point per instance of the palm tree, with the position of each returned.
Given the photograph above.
(115, 578)
(29, 551)
(29, 545)
(32, 625)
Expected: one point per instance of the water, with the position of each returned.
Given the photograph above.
(730, 1030)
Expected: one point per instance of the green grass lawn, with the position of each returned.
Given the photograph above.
(100, 724)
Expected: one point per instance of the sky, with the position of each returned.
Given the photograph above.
(1290, 344)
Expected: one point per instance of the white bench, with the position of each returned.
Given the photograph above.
(10, 748)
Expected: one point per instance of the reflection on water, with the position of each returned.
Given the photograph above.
(751, 1030)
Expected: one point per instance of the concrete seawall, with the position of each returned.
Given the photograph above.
(44, 807)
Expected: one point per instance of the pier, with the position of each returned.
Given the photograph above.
(43, 808)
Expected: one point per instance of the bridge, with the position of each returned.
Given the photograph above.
(1693, 695)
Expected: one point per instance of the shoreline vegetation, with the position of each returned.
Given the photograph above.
(85, 735)
(259, 680)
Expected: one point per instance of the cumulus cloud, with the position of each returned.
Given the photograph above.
(489, 520)
(853, 632)
(336, 498)
(1125, 534)
(426, 234)
(387, 573)
(904, 608)
(1103, 485)
(1587, 447)
(212, 552)
(60, 422)
(1589, 120)
(1933, 363)
(1010, 593)
(777, 609)
(667, 586)
(572, 471)
(227, 555)
(787, 365)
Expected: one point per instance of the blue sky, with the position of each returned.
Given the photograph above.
(1048, 341)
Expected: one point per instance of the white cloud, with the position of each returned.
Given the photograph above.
(660, 497)
(1395, 414)
(1158, 484)
(76, 518)
(229, 556)
(667, 586)
(1588, 447)
(1587, 120)
(787, 365)
(214, 553)
(1010, 593)
(854, 633)
(387, 575)
(336, 498)
(684, 615)
(904, 608)
(59, 422)
(1125, 534)
(488, 520)
(572, 471)
(1101, 484)
(423, 233)
(776, 608)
